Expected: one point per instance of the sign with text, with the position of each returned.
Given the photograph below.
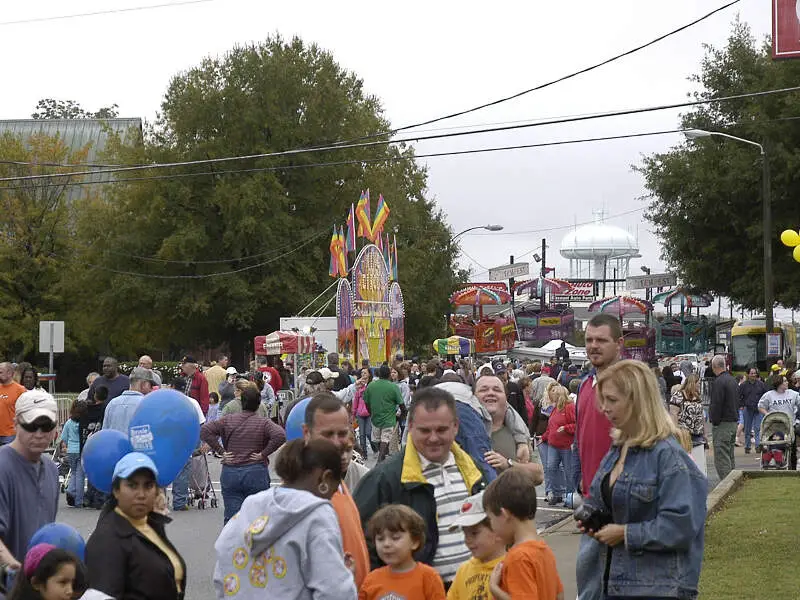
(545, 325)
(773, 344)
(643, 282)
(785, 29)
(509, 271)
(581, 291)
(51, 336)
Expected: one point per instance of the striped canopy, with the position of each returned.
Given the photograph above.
(283, 342)
(621, 305)
(454, 345)
(682, 297)
(554, 286)
(475, 295)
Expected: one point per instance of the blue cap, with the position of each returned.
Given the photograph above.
(130, 463)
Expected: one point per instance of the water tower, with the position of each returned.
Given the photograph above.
(595, 251)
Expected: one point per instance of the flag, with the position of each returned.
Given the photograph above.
(342, 254)
(394, 261)
(333, 269)
(384, 246)
(389, 257)
(381, 214)
(363, 216)
(351, 229)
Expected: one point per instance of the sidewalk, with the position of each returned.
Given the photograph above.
(564, 538)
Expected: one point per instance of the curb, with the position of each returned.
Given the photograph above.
(733, 482)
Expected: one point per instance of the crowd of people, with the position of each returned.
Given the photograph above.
(446, 505)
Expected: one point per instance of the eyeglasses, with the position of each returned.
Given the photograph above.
(45, 426)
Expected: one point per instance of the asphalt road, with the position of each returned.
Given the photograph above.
(194, 532)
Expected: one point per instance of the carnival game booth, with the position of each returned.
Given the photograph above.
(279, 343)
(639, 341)
(491, 333)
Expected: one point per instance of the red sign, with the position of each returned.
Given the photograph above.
(785, 29)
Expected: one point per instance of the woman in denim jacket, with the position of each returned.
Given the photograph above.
(653, 491)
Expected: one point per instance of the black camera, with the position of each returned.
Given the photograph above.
(592, 519)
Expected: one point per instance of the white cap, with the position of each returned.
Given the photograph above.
(34, 404)
(471, 513)
(231, 371)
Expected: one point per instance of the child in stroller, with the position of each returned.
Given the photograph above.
(777, 441)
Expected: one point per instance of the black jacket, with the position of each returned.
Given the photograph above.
(399, 480)
(724, 400)
(126, 565)
(750, 393)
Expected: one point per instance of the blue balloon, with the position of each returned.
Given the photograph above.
(100, 455)
(166, 428)
(294, 423)
(61, 536)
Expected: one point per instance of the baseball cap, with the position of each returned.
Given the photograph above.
(500, 369)
(774, 368)
(471, 513)
(142, 374)
(34, 404)
(327, 373)
(314, 378)
(231, 371)
(188, 359)
(132, 462)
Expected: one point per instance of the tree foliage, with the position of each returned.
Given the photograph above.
(49, 108)
(216, 253)
(706, 205)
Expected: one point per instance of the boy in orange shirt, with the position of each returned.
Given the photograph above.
(529, 569)
(398, 531)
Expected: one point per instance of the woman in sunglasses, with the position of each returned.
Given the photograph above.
(29, 480)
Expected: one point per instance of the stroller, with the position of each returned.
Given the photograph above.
(201, 490)
(778, 449)
(64, 470)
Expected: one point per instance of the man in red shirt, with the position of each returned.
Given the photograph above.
(10, 390)
(196, 382)
(271, 375)
(604, 344)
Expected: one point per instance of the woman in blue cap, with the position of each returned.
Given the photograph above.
(129, 556)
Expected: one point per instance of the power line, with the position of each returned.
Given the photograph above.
(205, 276)
(387, 159)
(554, 81)
(102, 12)
(617, 113)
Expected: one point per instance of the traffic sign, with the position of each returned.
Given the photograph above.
(509, 271)
(643, 282)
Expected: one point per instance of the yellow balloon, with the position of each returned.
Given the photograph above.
(796, 253)
(790, 238)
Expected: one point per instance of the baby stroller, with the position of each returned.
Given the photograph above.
(201, 490)
(64, 470)
(778, 450)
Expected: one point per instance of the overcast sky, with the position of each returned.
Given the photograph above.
(423, 59)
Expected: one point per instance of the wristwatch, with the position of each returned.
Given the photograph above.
(510, 463)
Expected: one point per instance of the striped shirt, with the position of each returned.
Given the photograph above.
(243, 433)
(450, 492)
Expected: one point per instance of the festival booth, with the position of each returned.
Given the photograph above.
(370, 310)
(278, 343)
(639, 342)
(491, 334)
(681, 333)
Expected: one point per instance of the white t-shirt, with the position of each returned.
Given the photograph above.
(787, 402)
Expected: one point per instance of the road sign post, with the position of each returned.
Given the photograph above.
(51, 340)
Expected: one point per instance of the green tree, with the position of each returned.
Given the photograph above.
(35, 220)
(267, 221)
(706, 204)
(49, 108)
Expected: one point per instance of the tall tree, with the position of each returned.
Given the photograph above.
(49, 108)
(232, 246)
(706, 205)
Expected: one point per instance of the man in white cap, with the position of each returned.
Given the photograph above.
(29, 482)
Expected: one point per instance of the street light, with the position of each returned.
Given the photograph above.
(486, 227)
(766, 219)
(645, 270)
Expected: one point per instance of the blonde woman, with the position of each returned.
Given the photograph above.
(686, 409)
(559, 437)
(650, 490)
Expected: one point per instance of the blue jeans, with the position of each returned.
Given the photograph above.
(555, 480)
(364, 433)
(589, 569)
(75, 485)
(180, 487)
(240, 482)
(6, 439)
(752, 421)
(557, 468)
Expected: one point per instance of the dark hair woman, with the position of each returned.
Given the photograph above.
(286, 541)
(247, 441)
(129, 556)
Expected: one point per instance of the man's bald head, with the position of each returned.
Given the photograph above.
(6, 373)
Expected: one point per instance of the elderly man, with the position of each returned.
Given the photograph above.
(146, 362)
(327, 418)
(84, 395)
(28, 480)
(120, 410)
(433, 475)
(111, 379)
(196, 383)
(507, 450)
(723, 412)
(10, 390)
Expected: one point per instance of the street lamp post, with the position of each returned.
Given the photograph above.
(766, 218)
(486, 227)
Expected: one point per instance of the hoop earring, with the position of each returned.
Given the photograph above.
(323, 489)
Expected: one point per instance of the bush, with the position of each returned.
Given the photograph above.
(169, 370)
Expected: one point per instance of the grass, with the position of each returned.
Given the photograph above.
(752, 542)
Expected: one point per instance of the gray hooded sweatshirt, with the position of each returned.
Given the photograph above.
(285, 544)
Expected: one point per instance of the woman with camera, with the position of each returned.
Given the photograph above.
(647, 502)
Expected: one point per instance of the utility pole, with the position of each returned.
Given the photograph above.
(511, 285)
(543, 273)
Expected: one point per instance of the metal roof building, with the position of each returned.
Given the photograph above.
(77, 133)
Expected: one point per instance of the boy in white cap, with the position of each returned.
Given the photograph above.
(487, 548)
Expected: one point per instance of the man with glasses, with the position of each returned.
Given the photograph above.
(28, 480)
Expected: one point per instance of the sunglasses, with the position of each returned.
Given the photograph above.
(45, 426)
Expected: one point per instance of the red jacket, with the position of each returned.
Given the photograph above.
(566, 418)
(593, 433)
(199, 390)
